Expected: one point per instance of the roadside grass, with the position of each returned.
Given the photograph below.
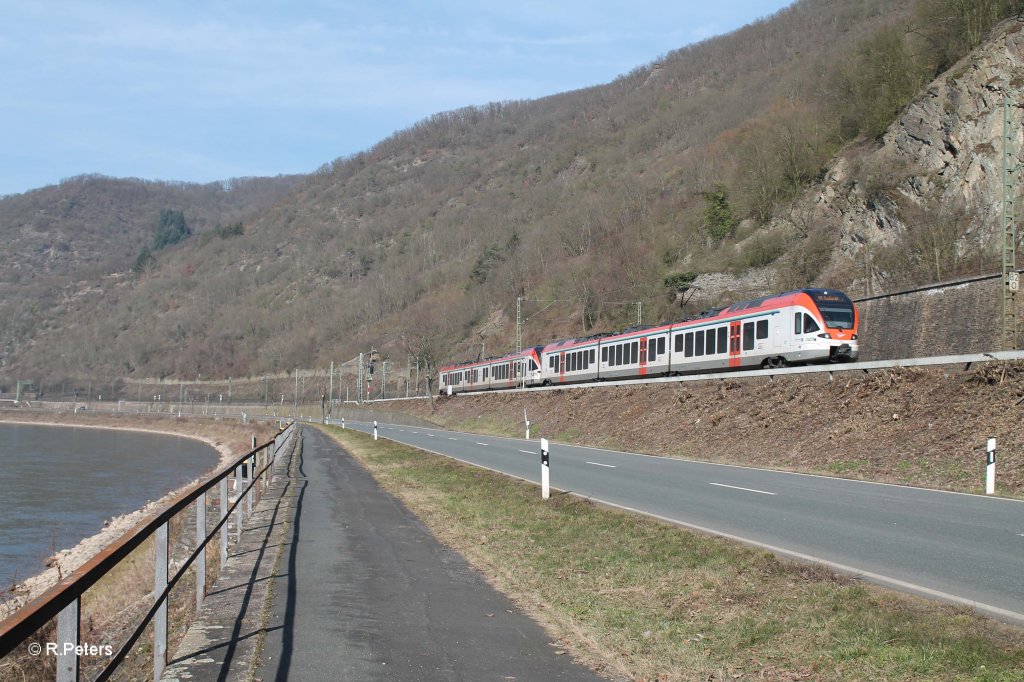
(637, 598)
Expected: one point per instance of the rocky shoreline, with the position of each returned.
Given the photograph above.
(66, 561)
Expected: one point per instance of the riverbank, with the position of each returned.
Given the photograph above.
(229, 438)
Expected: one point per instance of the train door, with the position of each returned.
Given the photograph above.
(561, 366)
(734, 344)
(643, 356)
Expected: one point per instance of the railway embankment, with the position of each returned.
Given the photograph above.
(911, 426)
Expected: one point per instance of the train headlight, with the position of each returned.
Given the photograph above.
(854, 337)
(824, 335)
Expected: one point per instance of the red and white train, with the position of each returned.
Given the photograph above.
(797, 327)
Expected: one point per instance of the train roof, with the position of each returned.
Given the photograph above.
(467, 364)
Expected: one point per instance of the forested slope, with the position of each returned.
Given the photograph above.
(695, 164)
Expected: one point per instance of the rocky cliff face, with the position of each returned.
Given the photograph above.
(938, 169)
(932, 185)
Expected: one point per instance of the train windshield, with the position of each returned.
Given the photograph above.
(835, 307)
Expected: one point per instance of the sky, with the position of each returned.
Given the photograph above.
(208, 90)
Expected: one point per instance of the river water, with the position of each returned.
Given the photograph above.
(59, 484)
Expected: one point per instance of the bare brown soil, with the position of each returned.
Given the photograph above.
(914, 426)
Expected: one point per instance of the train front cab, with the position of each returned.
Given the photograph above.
(840, 320)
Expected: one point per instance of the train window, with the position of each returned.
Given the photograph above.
(762, 329)
(661, 345)
(723, 336)
(679, 342)
(709, 349)
(586, 359)
(593, 354)
(604, 354)
(810, 326)
(698, 342)
(689, 345)
(798, 323)
(618, 354)
(748, 336)
(634, 352)
(652, 350)
(533, 365)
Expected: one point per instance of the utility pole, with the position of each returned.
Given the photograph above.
(1011, 279)
(359, 381)
(639, 313)
(519, 323)
(295, 405)
(331, 403)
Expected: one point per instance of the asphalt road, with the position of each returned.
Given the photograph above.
(365, 592)
(960, 548)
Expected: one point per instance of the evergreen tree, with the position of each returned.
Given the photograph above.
(718, 219)
(170, 229)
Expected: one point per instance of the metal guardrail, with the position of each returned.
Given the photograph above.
(64, 599)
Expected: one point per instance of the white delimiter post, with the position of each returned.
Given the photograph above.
(342, 423)
(375, 429)
(545, 470)
(990, 468)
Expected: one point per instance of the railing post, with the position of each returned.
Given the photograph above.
(68, 622)
(246, 481)
(160, 619)
(238, 513)
(201, 559)
(223, 517)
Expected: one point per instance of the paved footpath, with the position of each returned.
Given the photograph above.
(362, 591)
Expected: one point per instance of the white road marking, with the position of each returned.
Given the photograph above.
(450, 438)
(736, 487)
(483, 443)
(598, 464)
(529, 452)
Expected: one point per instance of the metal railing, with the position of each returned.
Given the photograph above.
(64, 599)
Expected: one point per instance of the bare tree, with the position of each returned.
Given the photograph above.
(428, 342)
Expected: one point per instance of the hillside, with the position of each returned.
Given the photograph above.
(713, 162)
(67, 243)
